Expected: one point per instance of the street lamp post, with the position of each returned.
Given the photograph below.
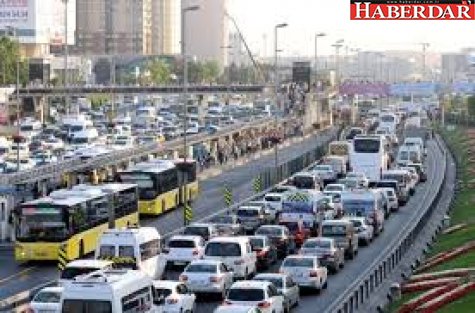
(228, 78)
(316, 55)
(276, 85)
(184, 11)
(337, 47)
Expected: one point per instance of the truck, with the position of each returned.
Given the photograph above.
(365, 203)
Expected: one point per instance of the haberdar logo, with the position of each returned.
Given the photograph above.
(412, 10)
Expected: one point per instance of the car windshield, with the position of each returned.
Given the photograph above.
(257, 243)
(223, 219)
(368, 145)
(201, 268)
(71, 272)
(89, 306)
(181, 243)
(277, 281)
(224, 249)
(273, 198)
(312, 244)
(47, 297)
(404, 155)
(269, 231)
(197, 231)
(334, 230)
(298, 262)
(246, 294)
(247, 212)
(333, 188)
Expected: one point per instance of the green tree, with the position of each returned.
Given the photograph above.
(9, 55)
(471, 106)
(159, 72)
(210, 71)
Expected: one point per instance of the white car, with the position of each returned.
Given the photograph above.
(47, 300)
(208, 276)
(392, 198)
(285, 285)
(306, 271)
(225, 308)
(173, 296)
(262, 294)
(414, 178)
(363, 181)
(181, 250)
(274, 200)
(324, 172)
(363, 228)
(333, 189)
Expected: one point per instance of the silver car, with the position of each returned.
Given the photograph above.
(328, 253)
(285, 285)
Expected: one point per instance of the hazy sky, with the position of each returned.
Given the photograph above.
(305, 17)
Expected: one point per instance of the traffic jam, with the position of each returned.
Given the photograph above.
(263, 255)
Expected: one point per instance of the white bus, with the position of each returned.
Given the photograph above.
(112, 291)
(135, 248)
(369, 155)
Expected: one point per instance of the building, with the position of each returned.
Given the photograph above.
(454, 66)
(114, 27)
(166, 27)
(38, 24)
(206, 30)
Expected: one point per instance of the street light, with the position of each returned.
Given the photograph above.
(337, 45)
(184, 11)
(276, 83)
(316, 54)
(228, 78)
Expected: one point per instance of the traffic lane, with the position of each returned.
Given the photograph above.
(20, 277)
(338, 283)
(210, 201)
(310, 301)
(238, 179)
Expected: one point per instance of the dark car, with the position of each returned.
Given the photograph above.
(266, 252)
(402, 198)
(227, 225)
(420, 171)
(298, 231)
(280, 236)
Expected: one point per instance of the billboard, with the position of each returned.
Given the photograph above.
(20, 15)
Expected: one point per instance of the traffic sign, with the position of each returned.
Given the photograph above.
(188, 214)
(62, 257)
(257, 184)
(228, 196)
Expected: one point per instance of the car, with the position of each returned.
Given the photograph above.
(419, 167)
(207, 276)
(282, 189)
(227, 225)
(226, 308)
(47, 299)
(280, 237)
(306, 271)
(182, 249)
(324, 172)
(274, 199)
(334, 189)
(251, 217)
(344, 234)
(298, 231)
(363, 228)
(266, 252)
(328, 253)
(173, 296)
(286, 287)
(414, 178)
(262, 294)
(363, 181)
(81, 267)
(235, 252)
(391, 196)
(207, 231)
(268, 209)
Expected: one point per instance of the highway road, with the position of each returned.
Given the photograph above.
(311, 302)
(15, 278)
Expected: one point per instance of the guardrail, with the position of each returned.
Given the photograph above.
(48, 171)
(15, 302)
(359, 291)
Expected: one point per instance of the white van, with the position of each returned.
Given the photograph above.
(409, 154)
(136, 248)
(235, 252)
(113, 291)
(415, 141)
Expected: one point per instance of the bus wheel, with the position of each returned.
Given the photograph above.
(81, 249)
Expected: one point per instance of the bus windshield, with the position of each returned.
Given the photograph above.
(366, 145)
(41, 223)
(144, 182)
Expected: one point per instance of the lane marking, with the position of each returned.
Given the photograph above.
(26, 270)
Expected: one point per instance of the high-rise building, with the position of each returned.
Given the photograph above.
(166, 27)
(114, 27)
(206, 30)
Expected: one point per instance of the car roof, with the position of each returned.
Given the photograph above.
(298, 256)
(320, 239)
(234, 308)
(251, 284)
(335, 222)
(185, 237)
(270, 275)
(166, 284)
(238, 239)
(263, 237)
(206, 262)
(89, 263)
(58, 289)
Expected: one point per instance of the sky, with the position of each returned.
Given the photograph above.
(257, 19)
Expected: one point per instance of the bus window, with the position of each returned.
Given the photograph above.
(149, 249)
(138, 301)
(106, 251)
(126, 251)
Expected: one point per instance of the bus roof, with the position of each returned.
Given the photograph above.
(153, 166)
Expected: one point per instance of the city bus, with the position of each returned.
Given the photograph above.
(369, 155)
(158, 185)
(72, 218)
(187, 169)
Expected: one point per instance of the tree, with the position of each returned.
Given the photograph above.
(471, 106)
(9, 55)
(159, 72)
(210, 71)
